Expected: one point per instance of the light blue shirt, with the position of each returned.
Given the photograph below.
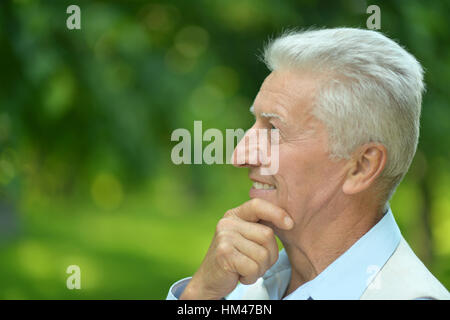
(345, 278)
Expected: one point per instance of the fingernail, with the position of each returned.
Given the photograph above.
(288, 222)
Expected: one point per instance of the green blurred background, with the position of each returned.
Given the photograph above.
(86, 118)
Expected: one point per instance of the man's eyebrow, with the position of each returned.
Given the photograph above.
(272, 115)
(267, 114)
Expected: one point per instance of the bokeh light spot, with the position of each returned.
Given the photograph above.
(191, 41)
(106, 191)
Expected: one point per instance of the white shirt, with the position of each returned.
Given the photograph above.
(345, 278)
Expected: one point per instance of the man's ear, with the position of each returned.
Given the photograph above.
(367, 164)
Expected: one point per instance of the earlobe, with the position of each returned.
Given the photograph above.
(368, 163)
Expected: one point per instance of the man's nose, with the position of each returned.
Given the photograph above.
(247, 152)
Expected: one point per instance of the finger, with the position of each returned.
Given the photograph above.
(254, 251)
(261, 234)
(258, 209)
(246, 267)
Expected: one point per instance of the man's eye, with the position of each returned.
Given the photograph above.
(272, 126)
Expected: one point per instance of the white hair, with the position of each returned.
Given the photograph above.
(372, 91)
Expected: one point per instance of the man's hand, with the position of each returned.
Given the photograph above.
(242, 250)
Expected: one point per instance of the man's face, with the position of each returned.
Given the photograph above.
(306, 180)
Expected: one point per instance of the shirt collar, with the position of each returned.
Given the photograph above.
(349, 275)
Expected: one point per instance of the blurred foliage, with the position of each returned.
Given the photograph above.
(85, 123)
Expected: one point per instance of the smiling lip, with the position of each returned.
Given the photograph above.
(260, 188)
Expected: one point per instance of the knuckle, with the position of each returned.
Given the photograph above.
(267, 233)
(230, 213)
(224, 224)
(223, 237)
(219, 227)
(224, 249)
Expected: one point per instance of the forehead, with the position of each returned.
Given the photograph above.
(287, 93)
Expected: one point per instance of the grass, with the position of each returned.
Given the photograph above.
(134, 252)
(138, 250)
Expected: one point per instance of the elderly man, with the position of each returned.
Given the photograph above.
(346, 103)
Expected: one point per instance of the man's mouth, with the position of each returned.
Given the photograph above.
(263, 186)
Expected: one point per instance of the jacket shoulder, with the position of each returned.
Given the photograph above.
(405, 277)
